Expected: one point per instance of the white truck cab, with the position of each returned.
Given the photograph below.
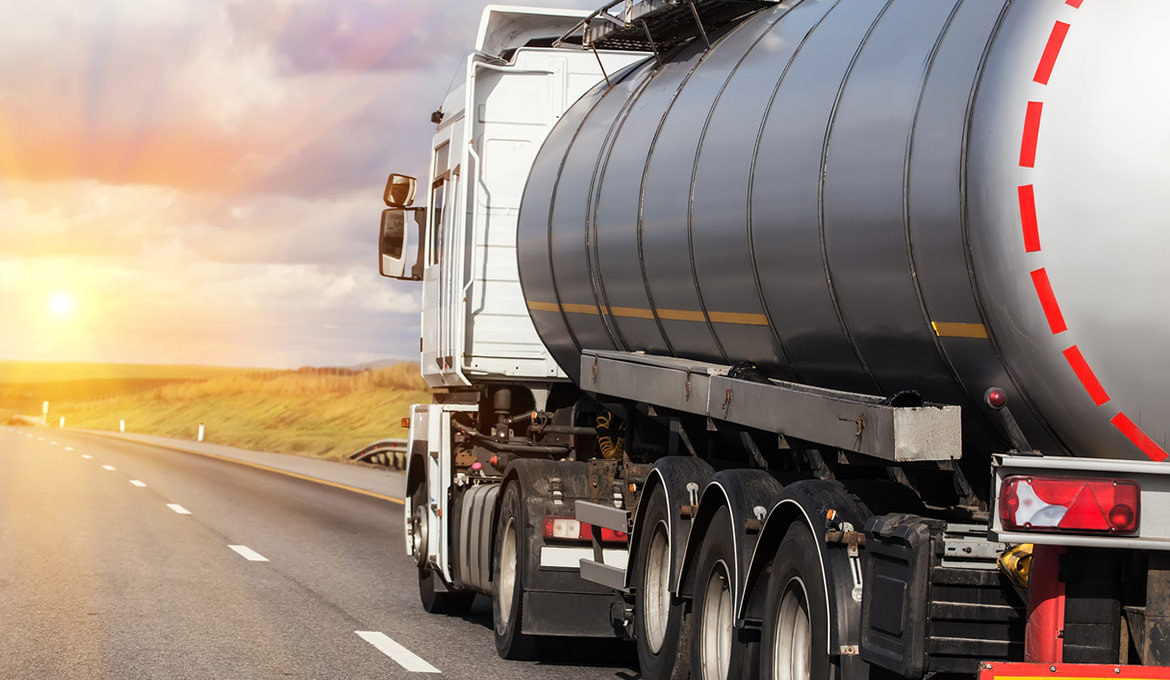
(475, 324)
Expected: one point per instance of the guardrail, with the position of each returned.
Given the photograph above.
(390, 453)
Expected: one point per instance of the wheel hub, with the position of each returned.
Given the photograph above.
(792, 648)
(716, 625)
(656, 586)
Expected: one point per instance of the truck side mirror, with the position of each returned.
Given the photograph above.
(399, 191)
(396, 247)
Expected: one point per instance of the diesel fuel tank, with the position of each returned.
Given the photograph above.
(883, 195)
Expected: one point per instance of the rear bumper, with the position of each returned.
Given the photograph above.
(1070, 671)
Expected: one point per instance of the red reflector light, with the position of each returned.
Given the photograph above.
(1059, 504)
(569, 529)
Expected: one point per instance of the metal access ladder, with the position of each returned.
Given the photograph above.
(657, 25)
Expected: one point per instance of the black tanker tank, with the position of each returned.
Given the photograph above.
(881, 195)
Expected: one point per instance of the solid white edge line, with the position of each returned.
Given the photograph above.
(86, 456)
(178, 508)
(248, 554)
(401, 655)
(111, 468)
(137, 483)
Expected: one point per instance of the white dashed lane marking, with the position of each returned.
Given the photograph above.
(248, 554)
(178, 508)
(111, 468)
(52, 443)
(86, 456)
(137, 483)
(68, 448)
(401, 655)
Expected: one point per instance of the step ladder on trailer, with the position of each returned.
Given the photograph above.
(657, 25)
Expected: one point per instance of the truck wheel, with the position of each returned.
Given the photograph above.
(795, 617)
(508, 577)
(716, 654)
(663, 641)
(434, 601)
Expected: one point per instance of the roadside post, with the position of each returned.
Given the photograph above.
(200, 431)
(45, 413)
(122, 425)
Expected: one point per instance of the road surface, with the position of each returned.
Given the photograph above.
(124, 560)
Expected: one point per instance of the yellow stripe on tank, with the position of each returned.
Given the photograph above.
(667, 314)
(960, 330)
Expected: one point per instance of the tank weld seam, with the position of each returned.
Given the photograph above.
(695, 177)
(1073, 356)
(752, 180)
(941, 329)
(821, 196)
(691, 204)
(595, 191)
(964, 216)
(552, 209)
(642, 198)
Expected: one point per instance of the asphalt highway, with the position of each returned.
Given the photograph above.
(122, 560)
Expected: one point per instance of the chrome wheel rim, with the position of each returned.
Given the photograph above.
(656, 588)
(792, 648)
(507, 585)
(715, 625)
(418, 535)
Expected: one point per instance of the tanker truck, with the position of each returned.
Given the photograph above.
(818, 339)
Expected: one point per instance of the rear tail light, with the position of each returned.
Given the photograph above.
(569, 529)
(1055, 504)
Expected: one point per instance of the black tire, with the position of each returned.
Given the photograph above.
(717, 652)
(508, 578)
(434, 600)
(796, 571)
(664, 652)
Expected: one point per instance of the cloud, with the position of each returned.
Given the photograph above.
(250, 95)
(205, 177)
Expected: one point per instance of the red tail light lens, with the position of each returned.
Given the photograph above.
(1055, 504)
(569, 529)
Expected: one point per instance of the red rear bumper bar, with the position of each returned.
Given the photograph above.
(1070, 671)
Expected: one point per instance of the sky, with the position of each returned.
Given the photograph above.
(199, 181)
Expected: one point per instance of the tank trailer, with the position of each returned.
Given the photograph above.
(807, 339)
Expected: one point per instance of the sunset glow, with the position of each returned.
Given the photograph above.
(200, 182)
(61, 304)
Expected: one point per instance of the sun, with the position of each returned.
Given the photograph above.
(61, 305)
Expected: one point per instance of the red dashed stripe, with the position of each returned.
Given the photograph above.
(1028, 218)
(1085, 374)
(1051, 52)
(1139, 438)
(1031, 231)
(1031, 134)
(1048, 301)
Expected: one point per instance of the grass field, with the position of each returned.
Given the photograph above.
(314, 412)
(25, 384)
